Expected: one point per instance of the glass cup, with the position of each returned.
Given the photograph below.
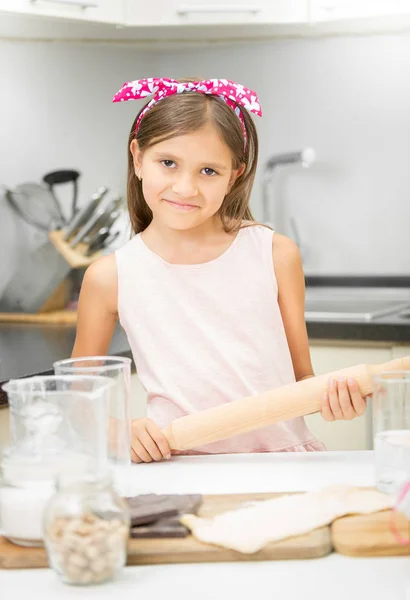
(391, 429)
(25, 488)
(400, 516)
(118, 369)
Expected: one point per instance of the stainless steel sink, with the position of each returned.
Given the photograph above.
(355, 304)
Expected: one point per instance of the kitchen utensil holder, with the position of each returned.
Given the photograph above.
(75, 257)
(52, 310)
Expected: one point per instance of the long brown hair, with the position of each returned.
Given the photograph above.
(185, 113)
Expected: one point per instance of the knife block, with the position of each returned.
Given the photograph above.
(75, 257)
(51, 290)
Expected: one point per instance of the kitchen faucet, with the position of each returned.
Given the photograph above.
(306, 158)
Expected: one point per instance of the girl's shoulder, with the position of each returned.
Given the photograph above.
(101, 278)
(287, 262)
(284, 250)
(103, 270)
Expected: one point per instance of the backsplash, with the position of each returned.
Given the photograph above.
(347, 97)
(58, 114)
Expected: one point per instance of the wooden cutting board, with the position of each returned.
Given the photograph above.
(370, 535)
(357, 535)
(188, 550)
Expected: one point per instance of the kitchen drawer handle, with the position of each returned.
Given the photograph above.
(184, 10)
(81, 3)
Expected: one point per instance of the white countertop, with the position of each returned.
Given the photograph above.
(334, 577)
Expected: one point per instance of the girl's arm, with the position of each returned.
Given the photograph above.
(342, 400)
(291, 298)
(97, 309)
(97, 317)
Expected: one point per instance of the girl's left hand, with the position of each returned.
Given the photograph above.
(342, 400)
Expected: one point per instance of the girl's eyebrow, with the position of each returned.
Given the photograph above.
(169, 156)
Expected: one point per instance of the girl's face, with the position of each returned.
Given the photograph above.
(186, 178)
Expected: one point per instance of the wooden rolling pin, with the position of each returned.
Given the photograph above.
(281, 404)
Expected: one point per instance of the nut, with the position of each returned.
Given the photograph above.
(87, 549)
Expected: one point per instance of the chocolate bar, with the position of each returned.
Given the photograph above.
(163, 528)
(156, 515)
(148, 508)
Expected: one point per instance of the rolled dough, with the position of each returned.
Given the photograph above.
(248, 529)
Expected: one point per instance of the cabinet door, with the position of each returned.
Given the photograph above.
(103, 11)
(333, 10)
(400, 351)
(344, 435)
(215, 12)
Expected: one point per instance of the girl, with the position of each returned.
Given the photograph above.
(212, 303)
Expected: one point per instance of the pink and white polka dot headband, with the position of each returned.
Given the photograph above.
(233, 94)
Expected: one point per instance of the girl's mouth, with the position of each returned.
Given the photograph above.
(181, 205)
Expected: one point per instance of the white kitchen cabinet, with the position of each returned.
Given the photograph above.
(400, 351)
(99, 11)
(215, 12)
(333, 355)
(334, 10)
(357, 433)
(198, 20)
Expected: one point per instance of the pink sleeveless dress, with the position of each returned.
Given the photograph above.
(205, 334)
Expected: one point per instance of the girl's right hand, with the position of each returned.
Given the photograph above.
(148, 443)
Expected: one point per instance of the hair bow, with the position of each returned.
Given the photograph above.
(230, 92)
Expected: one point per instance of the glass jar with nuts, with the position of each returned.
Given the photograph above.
(86, 529)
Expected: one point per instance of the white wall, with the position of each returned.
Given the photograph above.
(349, 98)
(56, 112)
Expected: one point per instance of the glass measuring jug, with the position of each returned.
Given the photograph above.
(58, 424)
(118, 369)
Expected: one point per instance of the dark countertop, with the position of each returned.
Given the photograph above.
(390, 328)
(27, 350)
(386, 329)
(31, 349)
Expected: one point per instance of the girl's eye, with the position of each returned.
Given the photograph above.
(209, 171)
(169, 164)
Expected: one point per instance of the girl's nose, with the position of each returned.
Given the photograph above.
(185, 186)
